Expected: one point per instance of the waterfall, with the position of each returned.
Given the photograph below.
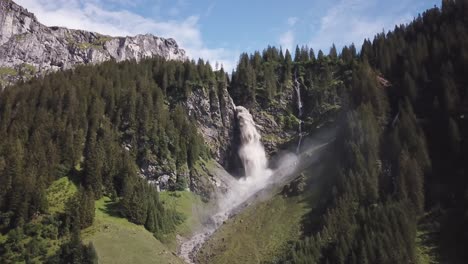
(258, 183)
(297, 87)
(257, 174)
(251, 151)
(254, 160)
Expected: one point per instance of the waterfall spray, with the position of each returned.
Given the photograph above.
(254, 160)
(258, 183)
(251, 151)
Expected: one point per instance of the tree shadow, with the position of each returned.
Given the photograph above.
(112, 208)
(320, 177)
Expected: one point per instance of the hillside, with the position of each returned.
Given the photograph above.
(351, 156)
(259, 234)
(117, 240)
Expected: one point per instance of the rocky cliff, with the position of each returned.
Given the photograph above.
(214, 113)
(29, 48)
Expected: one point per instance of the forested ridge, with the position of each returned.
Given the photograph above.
(400, 155)
(403, 145)
(401, 148)
(95, 125)
(376, 189)
(427, 63)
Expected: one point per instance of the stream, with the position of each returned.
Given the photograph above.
(280, 177)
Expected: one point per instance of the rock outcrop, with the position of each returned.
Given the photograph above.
(209, 178)
(29, 48)
(214, 112)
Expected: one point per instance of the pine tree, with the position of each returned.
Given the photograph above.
(333, 53)
(287, 75)
(454, 138)
(86, 203)
(93, 167)
(312, 55)
(320, 56)
(297, 54)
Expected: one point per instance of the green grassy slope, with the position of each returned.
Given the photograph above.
(267, 229)
(118, 241)
(258, 234)
(188, 204)
(191, 207)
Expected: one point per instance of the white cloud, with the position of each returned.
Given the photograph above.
(351, 21)
(210, 9)
(287, 40)
(292, 21)
(91, 15)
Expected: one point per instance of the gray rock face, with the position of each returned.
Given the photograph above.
(270, 121)
(29, 48)
(15, 20)
(209, 178)
(214, 112)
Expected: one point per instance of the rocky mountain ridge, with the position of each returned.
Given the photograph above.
(29, 48)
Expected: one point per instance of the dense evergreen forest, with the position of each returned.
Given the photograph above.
(95, 125)
(377, 189)
(401, 152)
(402, 148)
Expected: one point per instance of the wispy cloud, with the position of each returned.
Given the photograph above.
(317, 23)
(287, 40)
(351, 21)
(93, 16)
(210, 9)
(292, 21)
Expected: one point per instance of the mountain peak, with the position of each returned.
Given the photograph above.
(30, 48)
(14, 20)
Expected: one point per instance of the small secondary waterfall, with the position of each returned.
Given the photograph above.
(297, 87)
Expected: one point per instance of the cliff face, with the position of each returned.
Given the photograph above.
(29, 48)
(214, 113)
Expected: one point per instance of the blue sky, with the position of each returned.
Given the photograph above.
(221, 30)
